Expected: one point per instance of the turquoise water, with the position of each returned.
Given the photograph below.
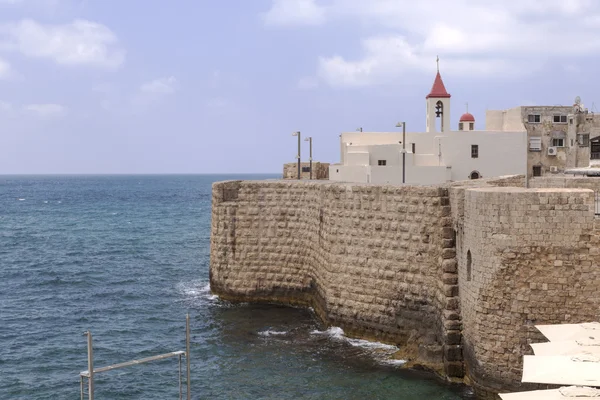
(127, 257)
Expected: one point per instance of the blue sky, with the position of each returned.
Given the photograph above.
(204, 86)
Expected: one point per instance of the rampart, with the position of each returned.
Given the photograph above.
(456, 275)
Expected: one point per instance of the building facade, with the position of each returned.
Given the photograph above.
(435, 156)
(558, 137)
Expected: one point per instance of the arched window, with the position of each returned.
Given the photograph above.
(439, 113)
(475, 175)
(469, 262)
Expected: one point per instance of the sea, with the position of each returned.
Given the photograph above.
(127, 257)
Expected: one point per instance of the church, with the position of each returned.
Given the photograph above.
(435, 156)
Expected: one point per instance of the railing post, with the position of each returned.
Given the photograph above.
(187, 354)
(180, 388)
(90, 366)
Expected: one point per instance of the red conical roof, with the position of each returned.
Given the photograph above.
(438, 90)
(467, 117)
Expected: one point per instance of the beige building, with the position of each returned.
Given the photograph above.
(320, 170)
(559, 137)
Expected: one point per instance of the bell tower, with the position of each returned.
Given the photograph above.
(438, 104)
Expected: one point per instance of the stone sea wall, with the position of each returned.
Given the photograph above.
(525, 257)
(377, 261)
(457, 275)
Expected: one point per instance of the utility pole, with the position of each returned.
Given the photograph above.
(527, 160)
(298, 156)
(309, 140)
(403, 124)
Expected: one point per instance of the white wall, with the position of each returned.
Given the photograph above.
(387, 175)
(504, 120)
(348, 173)
(390, 153)
(500, 153)
(360, 157)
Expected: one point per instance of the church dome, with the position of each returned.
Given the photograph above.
(467, 117)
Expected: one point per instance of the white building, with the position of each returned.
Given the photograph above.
(431, 157)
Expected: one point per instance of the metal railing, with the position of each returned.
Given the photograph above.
(91, 371)
(595, 156)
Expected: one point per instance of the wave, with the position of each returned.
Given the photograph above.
(269, 332)
(197, 292)
(382, 352)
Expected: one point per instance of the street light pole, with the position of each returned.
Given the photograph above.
(298, 156)
(527, 160)
(309, 140)
(403, 150)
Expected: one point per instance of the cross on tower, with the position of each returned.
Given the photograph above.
(437, 60)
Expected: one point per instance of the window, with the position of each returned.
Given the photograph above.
(560, 119)
(305, 169)
(534, 118)
(558, 142)
(460, 126)
(474, 151)
(535, 144)
(537, 170)
(571, 121)
(469, 264)
(337, 171)
(583, 139)
(474, 175)
(381, 162)
(414, 148)
(471, 126)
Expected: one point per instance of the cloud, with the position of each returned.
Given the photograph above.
(46, 110)
(294, 12)
(152, 92)
(473, 38)
(160, 86)
(81, 42)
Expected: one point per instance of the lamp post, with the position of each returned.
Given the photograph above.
(309, 140)
(527, 161)
(298, 156)
(403, 124)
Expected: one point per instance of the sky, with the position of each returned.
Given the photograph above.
(204, 86)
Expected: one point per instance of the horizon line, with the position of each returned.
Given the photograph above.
(135, 173)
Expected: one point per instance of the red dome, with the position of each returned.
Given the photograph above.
(467, 117)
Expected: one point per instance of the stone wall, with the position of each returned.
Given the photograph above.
(377, 261)
(462, 271)
(320, 170)
(566, 181)
(525, 257)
